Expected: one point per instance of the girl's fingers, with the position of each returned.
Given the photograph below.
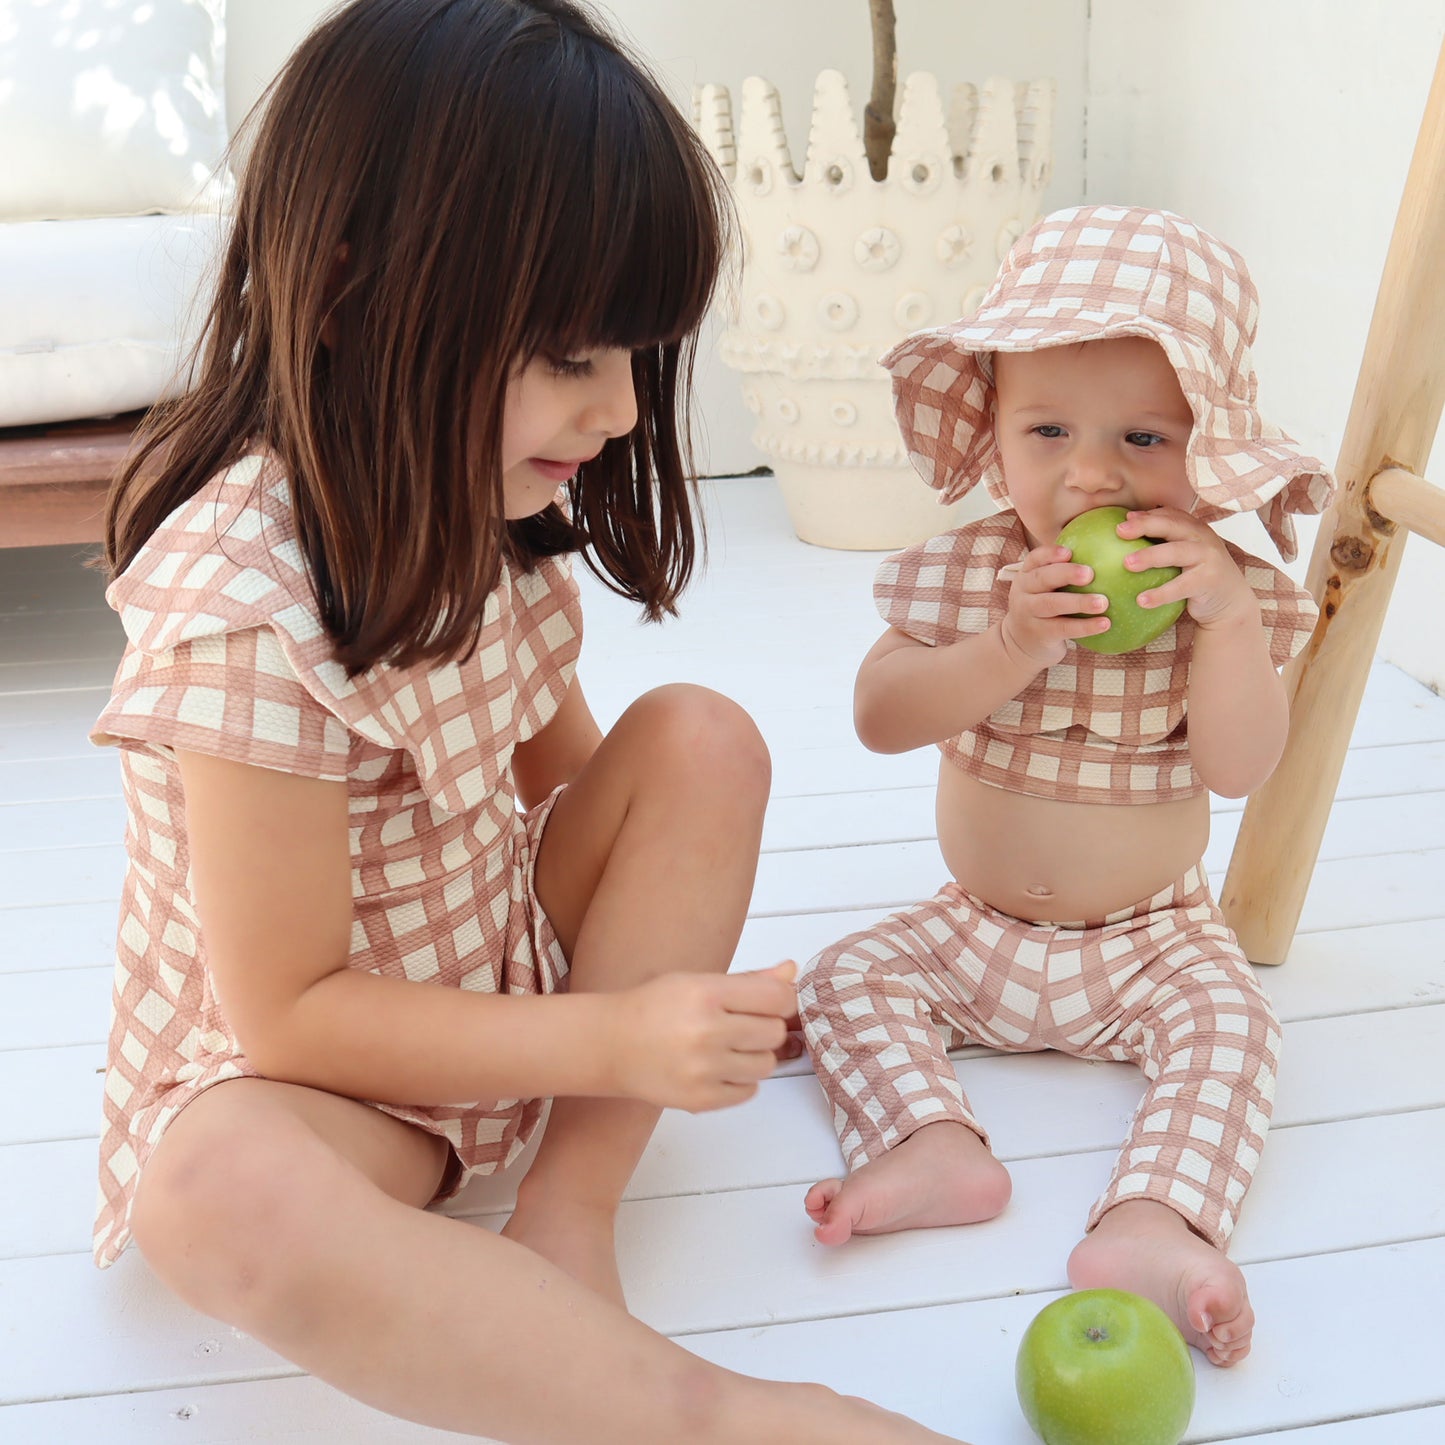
(753, 1033)
(722, 1096)
(748, 1067)
(769, 992)
(792, 1047)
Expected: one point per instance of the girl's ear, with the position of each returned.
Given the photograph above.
(335, 279)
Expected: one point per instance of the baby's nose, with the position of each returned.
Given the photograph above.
(1094, 471)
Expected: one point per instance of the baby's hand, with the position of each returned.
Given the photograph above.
(1213, 588)
(1041, 620)
(702, 1041)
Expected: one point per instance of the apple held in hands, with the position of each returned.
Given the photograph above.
(1103, 1367)
(1094, 540)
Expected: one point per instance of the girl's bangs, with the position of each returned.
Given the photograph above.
(641, 218)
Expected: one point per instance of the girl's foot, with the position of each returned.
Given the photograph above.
(577, 1238)
(941, 1174)
(1146, 1248)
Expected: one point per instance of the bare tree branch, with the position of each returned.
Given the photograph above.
(878, 124)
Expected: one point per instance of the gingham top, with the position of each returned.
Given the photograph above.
(228, 657)
(1094, 727)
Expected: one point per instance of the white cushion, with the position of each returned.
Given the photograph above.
(96, 316)
(111, 108)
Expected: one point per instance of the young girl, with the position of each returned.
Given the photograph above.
(472, 247)
(1109, 365)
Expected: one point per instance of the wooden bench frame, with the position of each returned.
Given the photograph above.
(1399, 395)
(53, 479)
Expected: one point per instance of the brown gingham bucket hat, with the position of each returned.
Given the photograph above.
(1092, 272)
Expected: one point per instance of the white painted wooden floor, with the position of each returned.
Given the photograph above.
(1343, 1239)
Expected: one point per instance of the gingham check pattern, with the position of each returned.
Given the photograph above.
(228, 657)
(1096, 727)
(1099, 271)
(1163, 986)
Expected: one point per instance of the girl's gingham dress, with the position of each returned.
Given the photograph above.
(1161, 984)
(227, 656)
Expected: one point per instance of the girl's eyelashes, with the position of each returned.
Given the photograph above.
(1049, 430)
(1145, 439)
(570, 365)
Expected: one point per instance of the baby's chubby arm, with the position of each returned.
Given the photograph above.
(908, 695)
(1238, 710)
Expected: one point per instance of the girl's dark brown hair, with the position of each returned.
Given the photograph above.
(503, 182)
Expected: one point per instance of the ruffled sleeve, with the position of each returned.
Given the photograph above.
(222, 585)
(231, 695)
(1287, 611)
(948, 586)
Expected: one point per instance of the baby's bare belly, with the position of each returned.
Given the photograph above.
(1062, 862)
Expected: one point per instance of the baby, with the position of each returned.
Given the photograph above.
(1109, 365)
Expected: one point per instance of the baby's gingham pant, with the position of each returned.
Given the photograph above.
(1161, 984)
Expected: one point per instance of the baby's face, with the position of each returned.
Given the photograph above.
(1097, 424)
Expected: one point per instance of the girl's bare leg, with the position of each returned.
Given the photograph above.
(646, 867)
(293, 1215)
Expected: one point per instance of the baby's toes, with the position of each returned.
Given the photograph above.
(1225, 1323)
(819, 1197)
(1226, 1355)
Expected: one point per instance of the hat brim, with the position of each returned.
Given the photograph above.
(1236, 461)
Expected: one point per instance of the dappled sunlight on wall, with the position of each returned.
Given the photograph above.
(111, 107)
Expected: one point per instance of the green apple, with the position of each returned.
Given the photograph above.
(1094, 540)
(1102, 1367)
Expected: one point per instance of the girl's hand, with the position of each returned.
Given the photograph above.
(1041, 620)
(702, 1041)
(1213, 588)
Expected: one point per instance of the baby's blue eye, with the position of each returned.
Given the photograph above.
(1049, 429)
(1144, 439)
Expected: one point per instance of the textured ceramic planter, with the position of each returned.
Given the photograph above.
(837, 267)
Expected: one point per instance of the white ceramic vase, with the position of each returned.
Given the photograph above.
(837, 267)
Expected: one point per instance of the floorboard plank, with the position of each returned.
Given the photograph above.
(1306, 1366)
(1310, 1368)
(712, 1232)
(296, 1410)
(67, 935)
(1034, 1105)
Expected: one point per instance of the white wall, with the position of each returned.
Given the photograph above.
(689, 42)
(1285, 126)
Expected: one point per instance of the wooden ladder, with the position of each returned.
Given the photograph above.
(1391, 429)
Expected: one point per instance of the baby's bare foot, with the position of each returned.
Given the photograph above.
(578, 1238)
(1146, 1248)
(942, 1174)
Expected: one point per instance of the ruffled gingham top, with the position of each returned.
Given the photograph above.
(1095, 727)
(226, 655)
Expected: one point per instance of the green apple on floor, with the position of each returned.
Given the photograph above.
(1094, 540)
(1104, 1367)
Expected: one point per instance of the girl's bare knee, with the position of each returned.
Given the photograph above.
(215, 1217)
(704, 733)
